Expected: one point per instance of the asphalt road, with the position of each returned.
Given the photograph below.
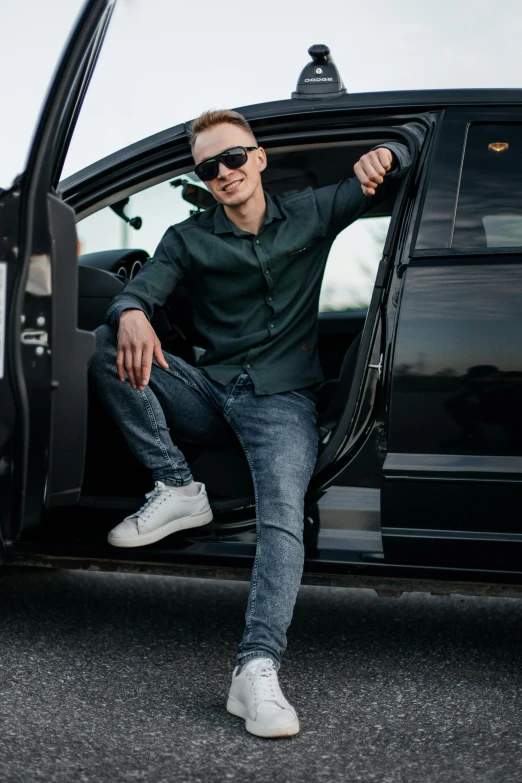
(108, 677)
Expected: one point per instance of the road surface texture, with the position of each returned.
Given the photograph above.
(111, 677)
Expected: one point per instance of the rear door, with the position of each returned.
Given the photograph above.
(452, 489)
(43, 356)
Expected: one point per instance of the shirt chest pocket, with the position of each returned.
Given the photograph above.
(299, 251)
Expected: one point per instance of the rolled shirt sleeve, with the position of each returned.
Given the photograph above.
(402, 158)
(341, 205)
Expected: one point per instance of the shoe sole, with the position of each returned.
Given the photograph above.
(239, 710)
(185, 523)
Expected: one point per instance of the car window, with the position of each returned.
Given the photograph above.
(158, 207)
(350, 272)
(489, 209)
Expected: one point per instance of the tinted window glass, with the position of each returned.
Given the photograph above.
(489, 211)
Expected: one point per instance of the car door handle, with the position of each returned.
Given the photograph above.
(377, 367)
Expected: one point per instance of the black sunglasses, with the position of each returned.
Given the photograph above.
(233, 158)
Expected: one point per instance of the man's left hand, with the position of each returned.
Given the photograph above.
(371, 168)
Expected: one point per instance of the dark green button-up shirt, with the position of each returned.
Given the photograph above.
(255, 298)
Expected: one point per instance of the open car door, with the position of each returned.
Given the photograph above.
(43, 356)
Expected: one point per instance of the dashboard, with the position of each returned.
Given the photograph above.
(124, 263)
(101, 276)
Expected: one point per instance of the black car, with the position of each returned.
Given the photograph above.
(418, 483)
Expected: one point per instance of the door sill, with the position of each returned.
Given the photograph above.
(350, 508)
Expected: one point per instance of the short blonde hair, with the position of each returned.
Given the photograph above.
(217, 117)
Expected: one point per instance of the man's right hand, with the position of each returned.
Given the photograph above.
(137, 344)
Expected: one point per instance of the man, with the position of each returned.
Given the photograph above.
(254, 266)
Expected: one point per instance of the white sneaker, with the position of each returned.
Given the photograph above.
(256, 697)
(166, 511)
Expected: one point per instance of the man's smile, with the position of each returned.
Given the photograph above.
(232, 185)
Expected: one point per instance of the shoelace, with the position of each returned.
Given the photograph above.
(265, 686)
(154, 499)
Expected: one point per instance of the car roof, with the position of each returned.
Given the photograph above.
(399, 101)
(406, 99)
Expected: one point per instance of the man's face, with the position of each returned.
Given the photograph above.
(231, 187)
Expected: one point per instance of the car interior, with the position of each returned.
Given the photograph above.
(113, 478)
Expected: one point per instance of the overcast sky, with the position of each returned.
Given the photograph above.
(163, 61)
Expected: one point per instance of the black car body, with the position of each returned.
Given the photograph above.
(421, 412)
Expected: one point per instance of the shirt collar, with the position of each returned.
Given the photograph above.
(222, 225)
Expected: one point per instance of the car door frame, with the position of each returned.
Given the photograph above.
(157, 157)
(38, 245)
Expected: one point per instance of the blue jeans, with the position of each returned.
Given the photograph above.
(279, 436)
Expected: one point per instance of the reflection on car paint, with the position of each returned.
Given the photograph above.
(458, 360)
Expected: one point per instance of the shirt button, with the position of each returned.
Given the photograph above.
(269, 298)
(267, 272)
(247, 367)
(257, 241)
(271, 325)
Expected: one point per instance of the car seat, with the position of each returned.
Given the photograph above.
(333, 394)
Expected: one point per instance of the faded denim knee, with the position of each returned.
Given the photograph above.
(105, 352)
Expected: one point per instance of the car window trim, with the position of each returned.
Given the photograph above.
(454, 127)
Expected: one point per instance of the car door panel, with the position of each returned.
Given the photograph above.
(453, 472)
(457, 360)
(72, 350)
(454, 440)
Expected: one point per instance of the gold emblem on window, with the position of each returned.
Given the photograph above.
(498, 146)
